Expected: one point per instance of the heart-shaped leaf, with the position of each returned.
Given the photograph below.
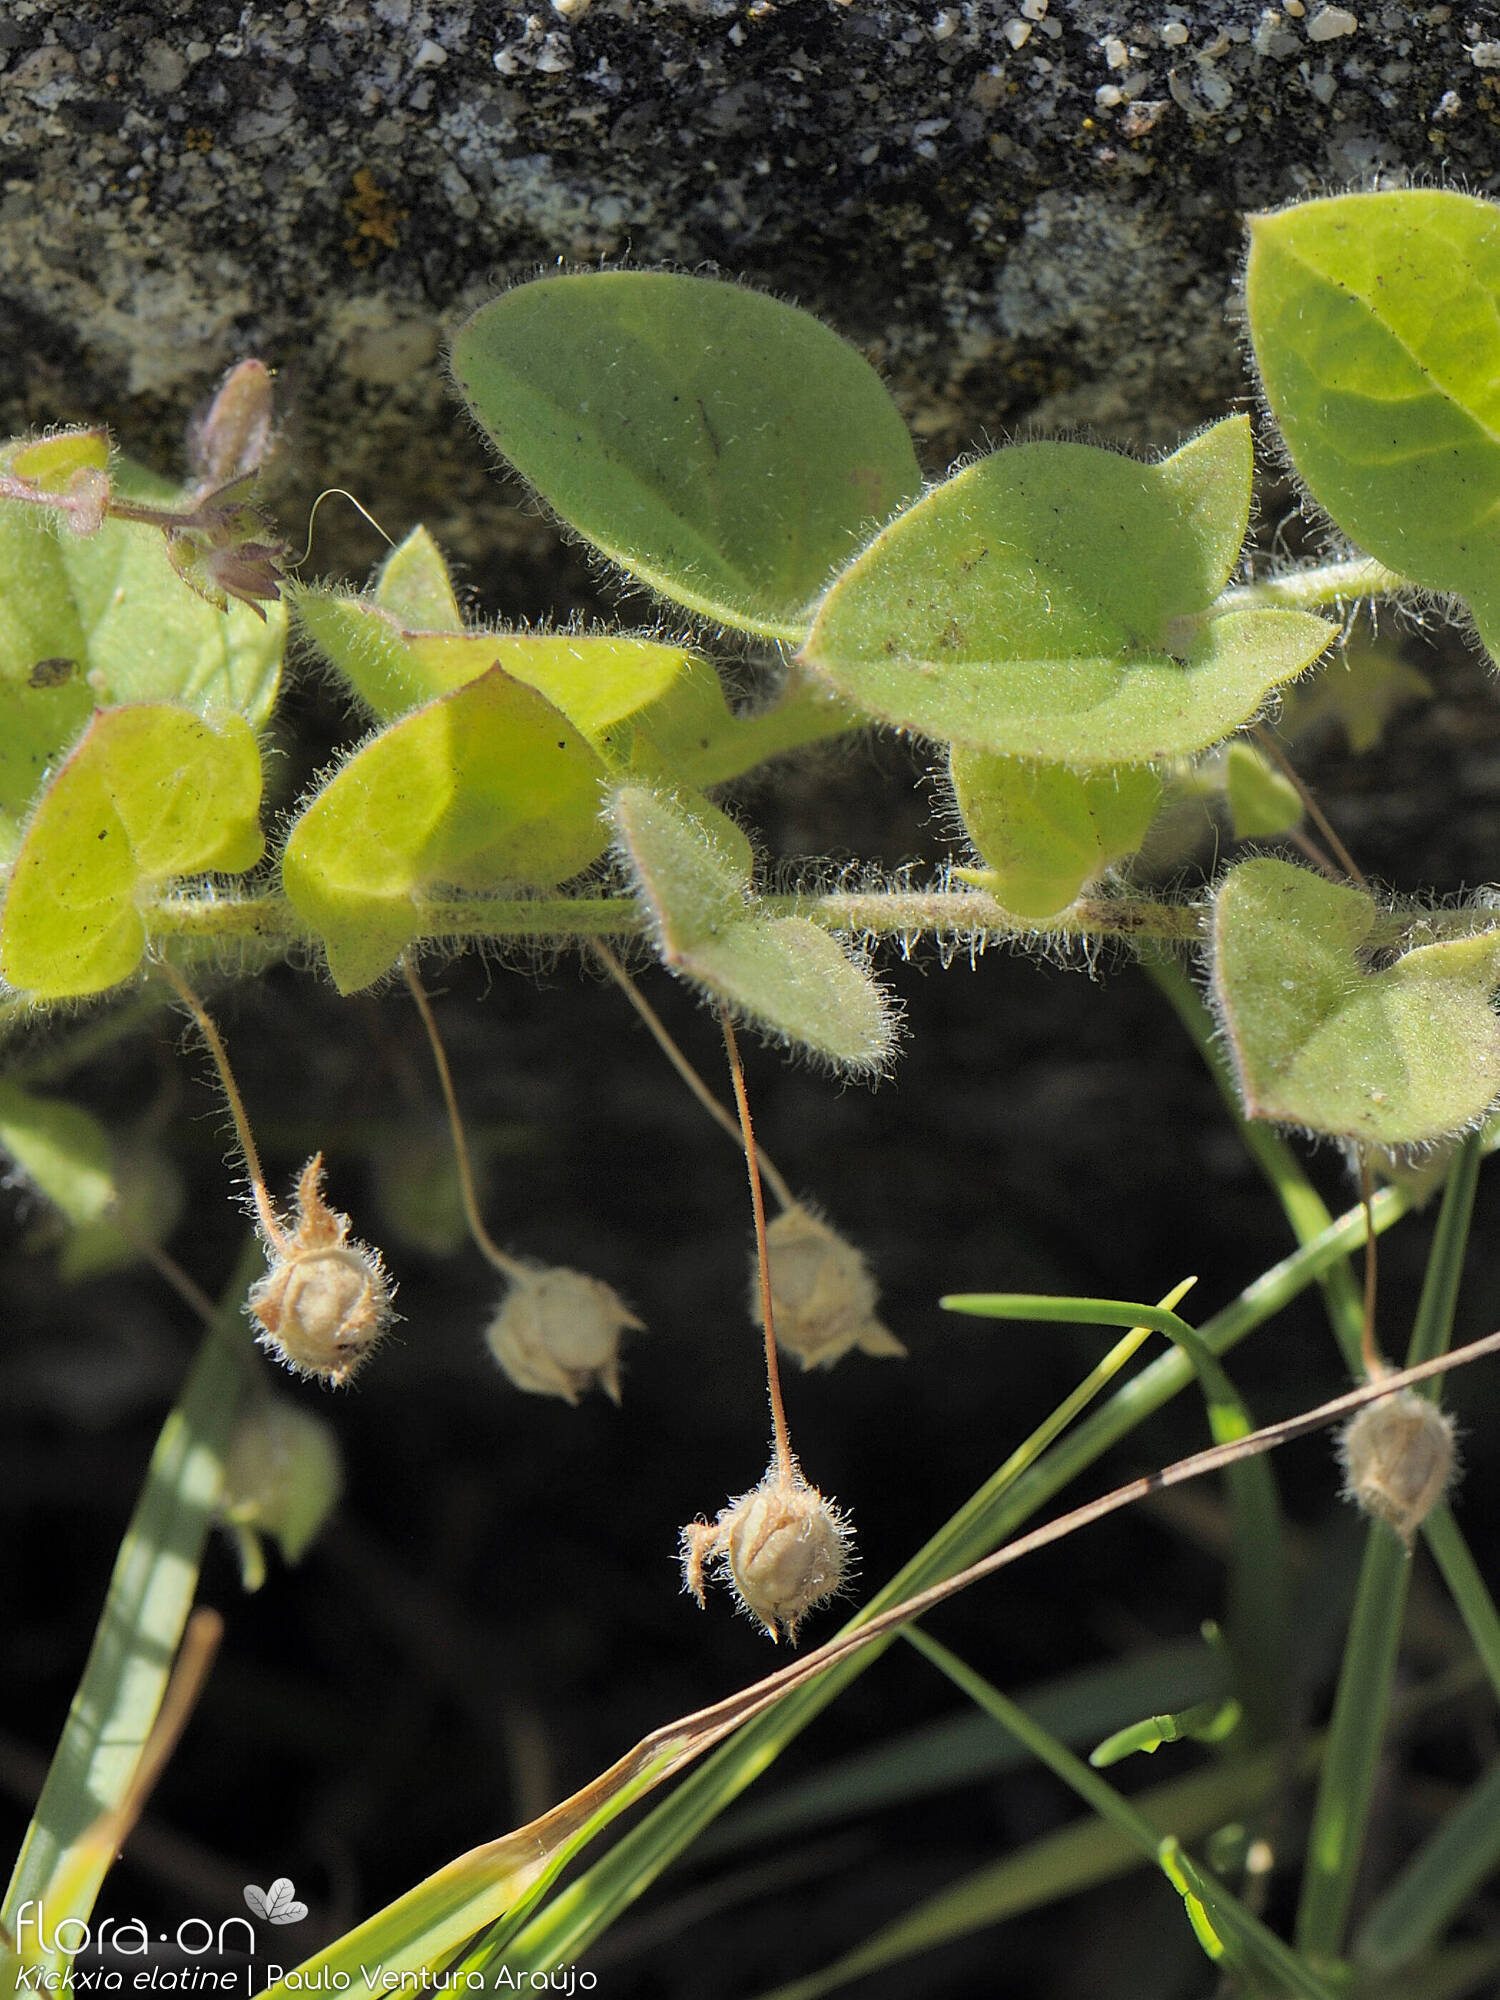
(1324, 1038)
(486, 788)
(728, 450)
(692, 868)
(1045, 831)
(595, 679)
(1376, 325)
(150, 792)
(1049, 602)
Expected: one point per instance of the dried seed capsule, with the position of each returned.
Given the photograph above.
(781, 1548)
(822, 1293)
(325, 1302)
(557, 1333)
(1398, 1460)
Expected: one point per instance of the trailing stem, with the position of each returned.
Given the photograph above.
(269, 1220)
(510, 1267)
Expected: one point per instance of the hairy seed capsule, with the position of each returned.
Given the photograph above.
(557, 1333)
(325, 1303)
(781, 1548)
(1398, 1460)
(822, 1293)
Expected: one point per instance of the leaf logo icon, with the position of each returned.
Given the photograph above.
(276, 1905)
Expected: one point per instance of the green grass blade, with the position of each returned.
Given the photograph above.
(1466, 1586)
(147, 1606)
(1437, 1881)
(1241, 1937)
(1355, 1734)
(1258, 1607)
(1229, 1931)
(1077, 1857)
(1341, 1814)
(1051, 1307)
(966, 1749)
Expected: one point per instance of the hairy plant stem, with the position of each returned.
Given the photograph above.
(781, 1439)
(270, 1221)
(906, 914)
(509, 1267)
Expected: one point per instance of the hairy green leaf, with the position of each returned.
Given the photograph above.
(1376, 325)
(486, 788)
(1049, 603)
(151, 791)
(1045, 831)
(51, 463)
(728, 450)
(1394, 1056)
(693, 868)
(595, 679)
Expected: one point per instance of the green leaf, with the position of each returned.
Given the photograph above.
(1262, 803)
(150, 792)
(415, 588)
(60, 1149)
(485, 788)
(102, 620)
(1045, 831)
(1049, 602)
(693, 872)
(50, 463)
(595, 679)
(728, 450)
(1394, 1057)
(1375, 325)
(67, 1850)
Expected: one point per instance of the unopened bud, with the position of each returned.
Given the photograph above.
(822, 1293)
(233, 437)
(781, 1548)
(1398, 1460)
(557, 1333)
(325, 1302)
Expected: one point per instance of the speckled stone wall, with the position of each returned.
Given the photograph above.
(1027, 213)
